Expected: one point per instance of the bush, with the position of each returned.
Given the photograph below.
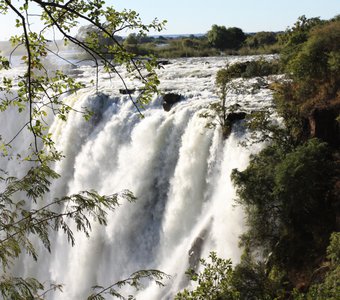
(329, 288)
(314, 66)
(223, 38)
(253, 281)
(261, 39)
(214, 282)
(248, 69)
(285, 197)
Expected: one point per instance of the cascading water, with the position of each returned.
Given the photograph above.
(178, 169)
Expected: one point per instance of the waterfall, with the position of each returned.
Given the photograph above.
(178, 169)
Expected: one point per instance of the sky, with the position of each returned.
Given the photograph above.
(197, 16)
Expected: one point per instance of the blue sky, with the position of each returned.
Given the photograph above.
(197, 16)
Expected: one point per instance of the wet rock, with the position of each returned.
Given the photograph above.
(126, 91)
(195, 252)
(231, 119)
(163, 62)
(99, 104)
(169, 100)
(236, 116)
(196, 249)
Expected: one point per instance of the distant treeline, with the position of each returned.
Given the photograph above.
(219, 40)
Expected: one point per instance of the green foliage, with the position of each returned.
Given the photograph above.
(17, 288)
(38, 90)
(263, 128)
(329, 287)
(216, 36)
(261, 39)
(287, 191)
(19, 225)
(285, 197)
(218, 112)
(135, 281)
(172, 47)
(223, 38)
(217, 115)
(4, 63)
(317, 57)
(254, 279)
(312, 68)
(297, 35)
(247, 69)
(213, 283)
(333, 250)
(313, 61)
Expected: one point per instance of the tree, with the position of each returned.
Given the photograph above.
(286, 199)
(222, 38)
(85, 31)
(37, 93)
(214, 282)
(289, 189)
(235, 38)
(310, 57)
(261, 39)
(297, 35)
(223, 115)
(216, 36)
(131, 39)
(328, 288)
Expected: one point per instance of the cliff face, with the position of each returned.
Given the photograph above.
(323, 124)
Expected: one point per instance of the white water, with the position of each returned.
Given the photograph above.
(177, 168)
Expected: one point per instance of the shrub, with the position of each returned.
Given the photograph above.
(285, 197)
(329, 288)
(248, 69)
(223, 38)
(214, 282)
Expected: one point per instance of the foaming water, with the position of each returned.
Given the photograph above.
(178, 169)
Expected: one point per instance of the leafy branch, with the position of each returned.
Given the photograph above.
(134, 280)
(63, 17)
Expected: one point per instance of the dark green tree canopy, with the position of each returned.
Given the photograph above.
(261, 39)
(223, 38)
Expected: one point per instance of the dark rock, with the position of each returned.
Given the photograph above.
(126, 91)
(167, 106)
(172, 98)
(98, 105)
(196, 248)
(229, 122)
(169, 100)
(236, 116)
(195, 252)
(163, 62)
